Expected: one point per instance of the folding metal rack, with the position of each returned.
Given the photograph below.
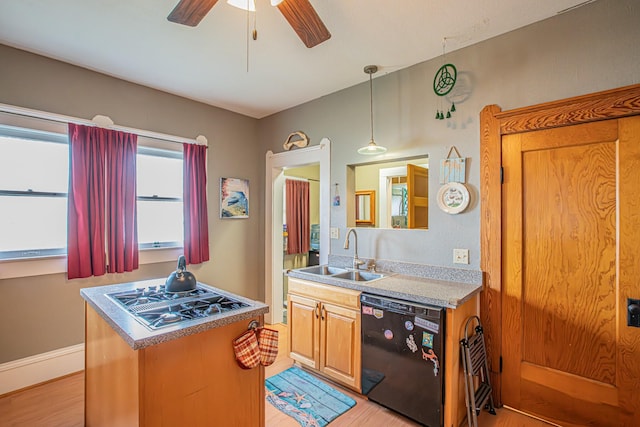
(476, 373)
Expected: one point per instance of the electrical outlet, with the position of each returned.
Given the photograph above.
(335, 233)
(461, 256)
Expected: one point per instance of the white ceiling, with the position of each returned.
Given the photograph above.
(132, 40)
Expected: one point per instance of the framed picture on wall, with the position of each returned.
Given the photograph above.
(234, 198)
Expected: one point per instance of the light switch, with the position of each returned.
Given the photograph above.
(335, 233)
(461, 256)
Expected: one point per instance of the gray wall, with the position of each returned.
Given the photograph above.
(43, 313)
(589, 49)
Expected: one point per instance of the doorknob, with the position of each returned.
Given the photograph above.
(633, 312)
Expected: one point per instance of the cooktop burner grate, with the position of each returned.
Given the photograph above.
(155, 308)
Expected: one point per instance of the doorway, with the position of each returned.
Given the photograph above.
(276, 164)
(564, 260)
(559, 252)
(309, 176)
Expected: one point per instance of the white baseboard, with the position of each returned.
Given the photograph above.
(21, 373)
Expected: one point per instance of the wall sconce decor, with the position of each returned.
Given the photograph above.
(297, 138)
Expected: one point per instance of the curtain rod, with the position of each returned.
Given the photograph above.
(101, 121)
(298, 178)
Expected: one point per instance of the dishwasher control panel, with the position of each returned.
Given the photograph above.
(401, 306)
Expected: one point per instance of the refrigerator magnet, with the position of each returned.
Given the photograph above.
(408, 325)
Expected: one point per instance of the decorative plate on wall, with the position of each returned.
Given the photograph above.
(453, 198)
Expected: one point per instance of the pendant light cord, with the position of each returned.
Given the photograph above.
(254, 32)
(371, 101)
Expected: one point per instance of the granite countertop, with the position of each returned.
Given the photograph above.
(139, 336)
(441, 293)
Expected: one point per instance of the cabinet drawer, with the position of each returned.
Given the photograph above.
(326, 293)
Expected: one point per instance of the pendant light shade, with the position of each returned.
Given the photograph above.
(371, 148)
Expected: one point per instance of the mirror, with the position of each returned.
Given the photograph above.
(403, 192)
(366, 208)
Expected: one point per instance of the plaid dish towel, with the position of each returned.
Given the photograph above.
(247, 350)
(268, 343)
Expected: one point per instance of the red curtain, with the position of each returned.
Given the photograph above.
(85, 235)
(122, 231)
(298, 228)
(102, 168)
(196, 223)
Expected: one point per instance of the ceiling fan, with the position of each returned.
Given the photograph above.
(299, 13)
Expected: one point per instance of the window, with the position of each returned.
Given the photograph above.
(34, 179)
(159, 186)
(33, 192)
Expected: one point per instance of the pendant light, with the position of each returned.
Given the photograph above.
(371, 148)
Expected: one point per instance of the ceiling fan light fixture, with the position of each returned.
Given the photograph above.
(249, 5)
(300, 15)
(372, 148)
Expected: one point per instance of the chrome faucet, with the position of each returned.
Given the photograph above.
(357, 262)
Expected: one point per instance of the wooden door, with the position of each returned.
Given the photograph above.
(304, 330)
(571, 259)
(417, 197)
(340, 344)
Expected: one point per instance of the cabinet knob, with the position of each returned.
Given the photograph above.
(317, 310)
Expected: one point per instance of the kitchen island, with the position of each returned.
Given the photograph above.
(183, 373)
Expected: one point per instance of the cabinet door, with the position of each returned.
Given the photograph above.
(304, 331)
(340, 344)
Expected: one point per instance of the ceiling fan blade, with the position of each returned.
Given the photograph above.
(305, 21)
(191, 12)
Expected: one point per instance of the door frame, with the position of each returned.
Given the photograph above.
(275, 166)
(495, 123)
(384, 192)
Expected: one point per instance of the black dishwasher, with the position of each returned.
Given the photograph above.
(402, 357)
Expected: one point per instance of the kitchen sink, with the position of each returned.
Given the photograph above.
(340, 273)
(358, 276)
(322, 270)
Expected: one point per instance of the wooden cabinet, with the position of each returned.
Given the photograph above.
(324, 335)
(324, 324)
(193, 380)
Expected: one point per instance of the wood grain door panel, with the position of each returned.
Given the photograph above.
(340, 344)
(569, 260)
(304, 330)
(628, 360)
(570, 245)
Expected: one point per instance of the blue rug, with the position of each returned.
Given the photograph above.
(302, 396)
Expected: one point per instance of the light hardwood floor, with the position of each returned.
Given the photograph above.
(59, 403)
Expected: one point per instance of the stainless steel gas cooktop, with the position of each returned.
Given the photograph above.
(155, 308)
